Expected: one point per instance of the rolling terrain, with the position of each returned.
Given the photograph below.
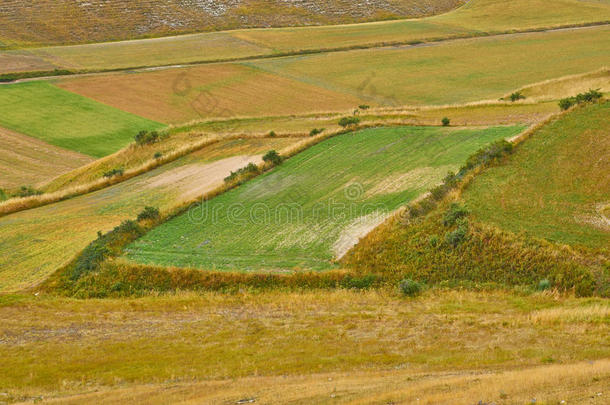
(388, 210)
(316, 205)
(74, 21)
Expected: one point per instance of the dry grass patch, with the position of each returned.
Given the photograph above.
(29, 161)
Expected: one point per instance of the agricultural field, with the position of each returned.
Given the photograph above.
(305, 201)
(478, 17)
(28, 161)
(67, 120)
(65, 21)
(341, 346)
(316, 205)
(34, 243)
(388, 77)
(557, 186)
(176, 96)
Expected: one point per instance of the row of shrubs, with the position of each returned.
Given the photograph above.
(11, 77)
(580, 98)
(22, 192)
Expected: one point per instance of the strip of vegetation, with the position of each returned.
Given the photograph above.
(12, 77)
(303, 52)
(581, 98)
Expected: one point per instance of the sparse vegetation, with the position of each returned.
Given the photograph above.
(243, 174)
(516, 96)
(26, 191)
(347, 122)
(116, 172)
(410, 288)
(580, 98)
(147, 138)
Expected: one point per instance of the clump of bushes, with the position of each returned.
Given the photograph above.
(410, 288)
(147, 138)
(103, 247)
(516, 96)
(446, 121)
(544, 284)
(359, 283)
(316, 131)
(346, 122)
(589, 96)
(247, 171)
(273, 158)
(454, 213)
(114, 172)
(27, 191)
(149, 213)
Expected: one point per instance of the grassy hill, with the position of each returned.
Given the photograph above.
(70, 21)
(67, 120)
(315, 205)
(502, 228)
(557, 186)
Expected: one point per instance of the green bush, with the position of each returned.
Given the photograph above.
(544, 284)
(589, 96)
(453, 214)
(243, 172)
(114, 172)
(104, 246)
(158, 155)
(151, 213)
(446, 121)
(147, 138)
(27, 191)
(364, 106)
(272, 134)
(349, 121)
(410, 288)
(359, 283)
(272, 157)
(457, 236)
(3, 195)
(316, 131)
(517, 96)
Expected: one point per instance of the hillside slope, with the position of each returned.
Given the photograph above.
(77, 21)
(553, 187)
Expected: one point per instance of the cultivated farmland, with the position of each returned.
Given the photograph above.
(36, 242)
(316, 205)
(389, 77)
(67, 120)
(557, 186)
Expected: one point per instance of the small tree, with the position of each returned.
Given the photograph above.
(151, 213)
(272, 134)
(273, 158)
(346, 122)
(410, 288)
(446, 121)
(517, 96)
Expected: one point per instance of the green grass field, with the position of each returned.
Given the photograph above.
(34, 243)
(68, 120)
(316, 204)
(556, 185)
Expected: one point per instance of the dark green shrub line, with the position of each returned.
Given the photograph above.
(580, 98)
(11, 77)
(243, 174)
(347, 122)
(481, 158)
(516, 96)
(147, 138)
(116, 172)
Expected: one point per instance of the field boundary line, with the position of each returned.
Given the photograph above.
(19, 77)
